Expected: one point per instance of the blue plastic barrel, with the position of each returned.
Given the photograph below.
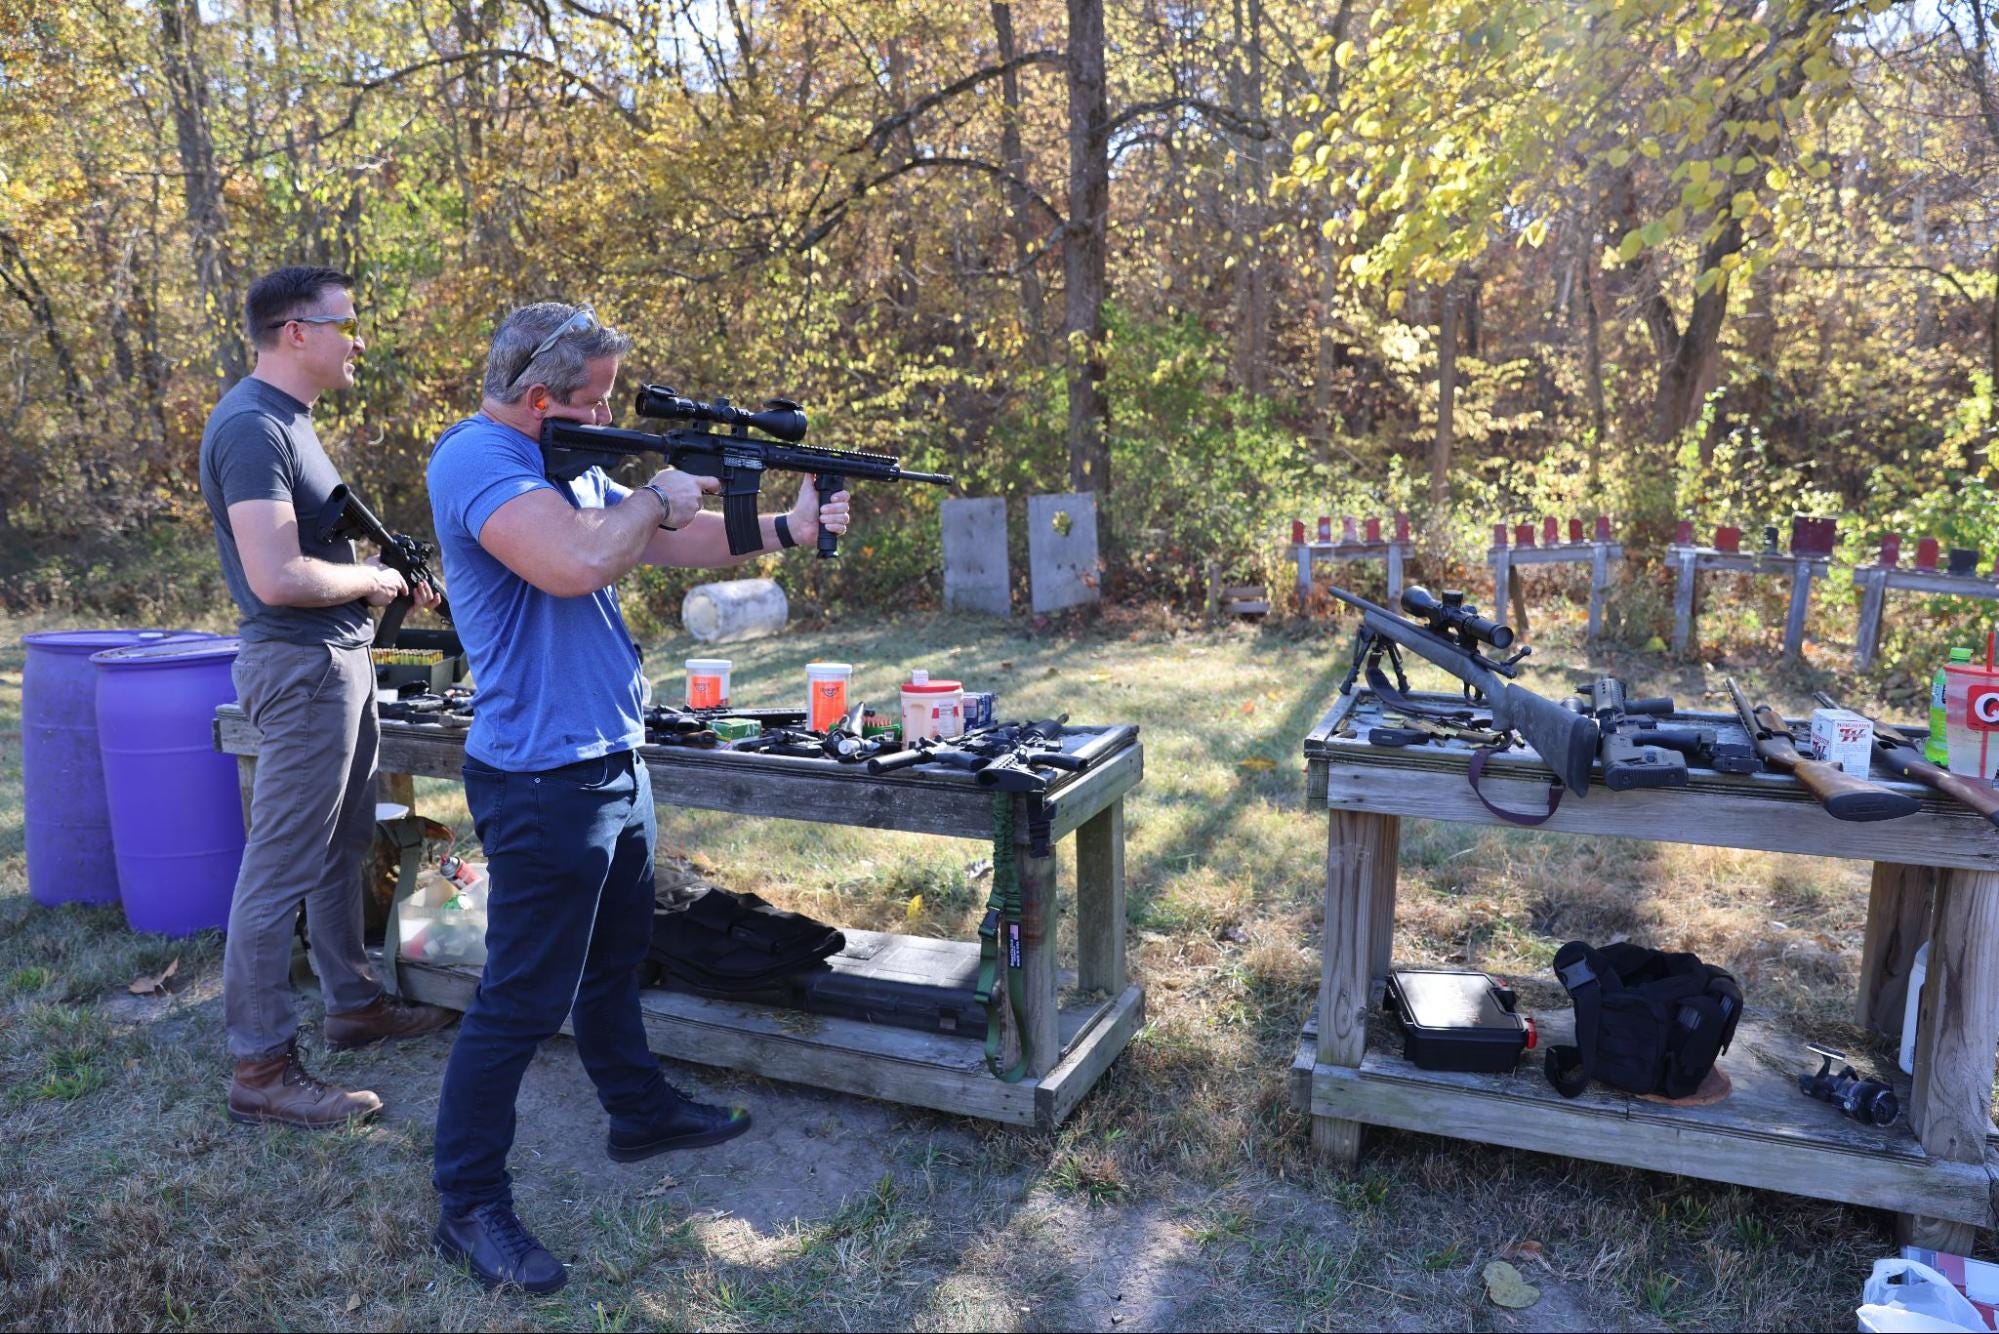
(176, 812)
(67, 825)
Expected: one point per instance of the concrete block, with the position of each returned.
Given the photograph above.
(1062, 550)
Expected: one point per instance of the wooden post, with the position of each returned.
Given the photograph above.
(1303, 551)
(1683, 602)
(1395, 575)
(1214, 603)
(1874, 592)
(1502, 569)
(1381, 924)
(1519, 592)
(1100, 925)
(1898, 920)
(1599, 586)
(246, 784)
(1951, 1111)
(399, 788)
(1356, 843)
(1040, 913)
(1801, 596)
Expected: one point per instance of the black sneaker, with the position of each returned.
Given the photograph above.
(686, 1124)
(491, 1242)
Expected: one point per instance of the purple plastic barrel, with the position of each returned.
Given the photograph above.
(62, 777)
(176, 812)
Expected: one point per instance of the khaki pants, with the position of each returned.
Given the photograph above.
(312, 813)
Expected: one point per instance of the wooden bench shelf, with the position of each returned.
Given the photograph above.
(1072, 1040)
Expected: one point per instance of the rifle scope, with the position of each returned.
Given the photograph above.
(1451, 614)
(781, 418)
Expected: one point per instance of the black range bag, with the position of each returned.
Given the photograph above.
(1646, 1021)
(717, 943)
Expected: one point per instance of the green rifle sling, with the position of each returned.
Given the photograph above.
(1003, 909)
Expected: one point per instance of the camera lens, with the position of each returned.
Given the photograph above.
(1874, 1104)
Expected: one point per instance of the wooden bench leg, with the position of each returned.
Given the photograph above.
(1683, 605)
(1599, 585)
(1040, 912)
(1100, 961)
(1868, 637)
(1801, 597)
(1360, 857)
(246, 784)
(1898, 921)
(1951, 1111)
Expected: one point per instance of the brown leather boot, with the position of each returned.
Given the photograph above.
(277, 1090)
(384, 1019)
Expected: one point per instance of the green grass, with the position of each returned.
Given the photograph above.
(1181, 1193)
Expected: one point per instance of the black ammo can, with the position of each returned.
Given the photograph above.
(1462, 1022)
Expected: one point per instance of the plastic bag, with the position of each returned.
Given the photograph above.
(1899, 1288)
(444, 920)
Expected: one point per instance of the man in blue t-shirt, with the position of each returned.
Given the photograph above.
(558, 794)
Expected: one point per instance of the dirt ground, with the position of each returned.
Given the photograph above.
(1181, 1195)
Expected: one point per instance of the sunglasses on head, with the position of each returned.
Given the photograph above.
(583, 321)
(348, 325)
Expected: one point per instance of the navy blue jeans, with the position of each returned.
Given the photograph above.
(569, 918)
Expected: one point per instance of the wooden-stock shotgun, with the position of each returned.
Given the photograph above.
(1904, 757)
(1843, 796)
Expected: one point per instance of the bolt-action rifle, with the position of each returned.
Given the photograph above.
(345, 516)
(1904, 758)
(1843, 796)
(1452, 635)
(737, 459)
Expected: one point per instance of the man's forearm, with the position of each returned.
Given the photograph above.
(704, 544)
(309, 582)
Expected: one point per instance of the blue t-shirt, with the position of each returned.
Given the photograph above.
(559, 678)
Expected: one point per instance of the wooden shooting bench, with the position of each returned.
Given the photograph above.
(1075, 1026)
(1597, 553)
(1691, 560)
(1395, 550)
(1936, 876)
(1874, 581)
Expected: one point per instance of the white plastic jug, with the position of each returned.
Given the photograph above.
(734, 609)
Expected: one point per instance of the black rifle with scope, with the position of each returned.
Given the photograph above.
(1452, 635)
(345, 516)
(731, 454)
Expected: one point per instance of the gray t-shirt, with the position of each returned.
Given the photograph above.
(259, 445)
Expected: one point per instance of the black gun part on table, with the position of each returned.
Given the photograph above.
(1449, 633)
(731, 454)
(345, 516)
(1637, 750)
(1869, 1101)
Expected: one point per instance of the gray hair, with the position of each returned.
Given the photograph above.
(563, 368)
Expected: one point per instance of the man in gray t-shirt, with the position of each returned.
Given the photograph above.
(306, 680)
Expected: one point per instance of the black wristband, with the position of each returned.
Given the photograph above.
(783, 526)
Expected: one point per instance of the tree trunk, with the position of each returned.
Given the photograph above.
(1252, 313)
(1328, 351)
(1586, 299)
(1032, 311)
(1447, 392)
(1084, 244)
(201, 183)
